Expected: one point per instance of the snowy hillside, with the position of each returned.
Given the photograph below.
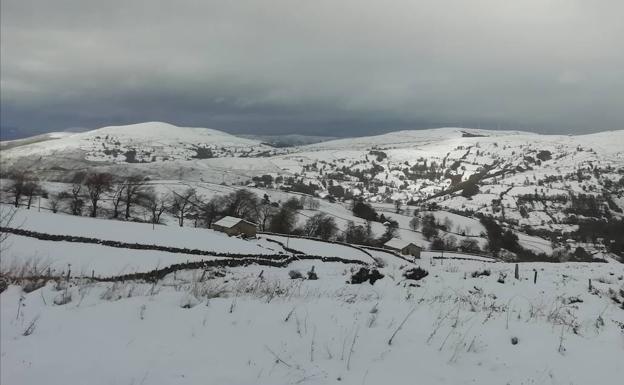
(7, 144)
(138, 143)
(538, 186)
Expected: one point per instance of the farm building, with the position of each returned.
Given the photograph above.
(403, 247)
(235, 226)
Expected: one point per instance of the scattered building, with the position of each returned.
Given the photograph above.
(235, 226)
(403, 247)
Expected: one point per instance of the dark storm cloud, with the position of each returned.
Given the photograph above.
(320, 67)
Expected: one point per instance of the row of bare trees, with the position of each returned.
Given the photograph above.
(240, 203)
(96, 186)
(23, 186)
(88, 190)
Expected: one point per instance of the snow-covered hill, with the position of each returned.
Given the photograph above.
(8, 144)
(534, 184)
(138, 143)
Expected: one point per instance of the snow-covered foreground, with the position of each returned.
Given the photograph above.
(248, 327)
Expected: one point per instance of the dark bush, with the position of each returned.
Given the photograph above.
(295, 274)
(470, 190)
(415, 273)
(429, 229)
(485, 272)
(131, 156)
(32, 285)
(364, 275)
(364, 210)
(437, 244)
(203, 153)
(544, 155)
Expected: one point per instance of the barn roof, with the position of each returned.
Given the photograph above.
(399, 244)
(229, 222)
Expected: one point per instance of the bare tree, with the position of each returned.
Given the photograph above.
(118, 195)
(208, 212)
(242, 204)
(54, 202)
(283, 221)
(265, 213)
(17, 188)
(321, 225)
(397, 206)
(182, 203)
(414, 223)
(309, 203)
(30, 188)
(156, 204)
(97, 184)
(312, 225)
(135, 187)
(75, 195)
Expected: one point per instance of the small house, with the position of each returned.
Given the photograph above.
(235, 226)
(403, 247)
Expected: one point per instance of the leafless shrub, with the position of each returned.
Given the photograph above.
(605, 280)
(63, 298)
(31, 327)
(113, 292)
(30, 285)
(295, 274)
(24, 268)
(188, 301)
(480, 273)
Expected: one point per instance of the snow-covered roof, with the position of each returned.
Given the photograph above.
(399, 244)
(231, 221)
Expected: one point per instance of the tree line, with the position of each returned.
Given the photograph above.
(88, 190)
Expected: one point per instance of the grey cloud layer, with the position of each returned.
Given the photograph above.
(320, 66)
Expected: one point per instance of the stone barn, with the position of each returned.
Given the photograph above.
(403, 247)
(235, 226)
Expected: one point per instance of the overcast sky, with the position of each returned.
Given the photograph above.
(329, 67)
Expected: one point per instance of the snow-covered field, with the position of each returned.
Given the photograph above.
(314, 247)
(87, 259)
(253, 328)
(131, 232)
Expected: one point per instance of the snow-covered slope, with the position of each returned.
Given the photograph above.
(7, 144)
(409, 138)
(140, 143)
(467, 322)
(528, 181)
(454, 136)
